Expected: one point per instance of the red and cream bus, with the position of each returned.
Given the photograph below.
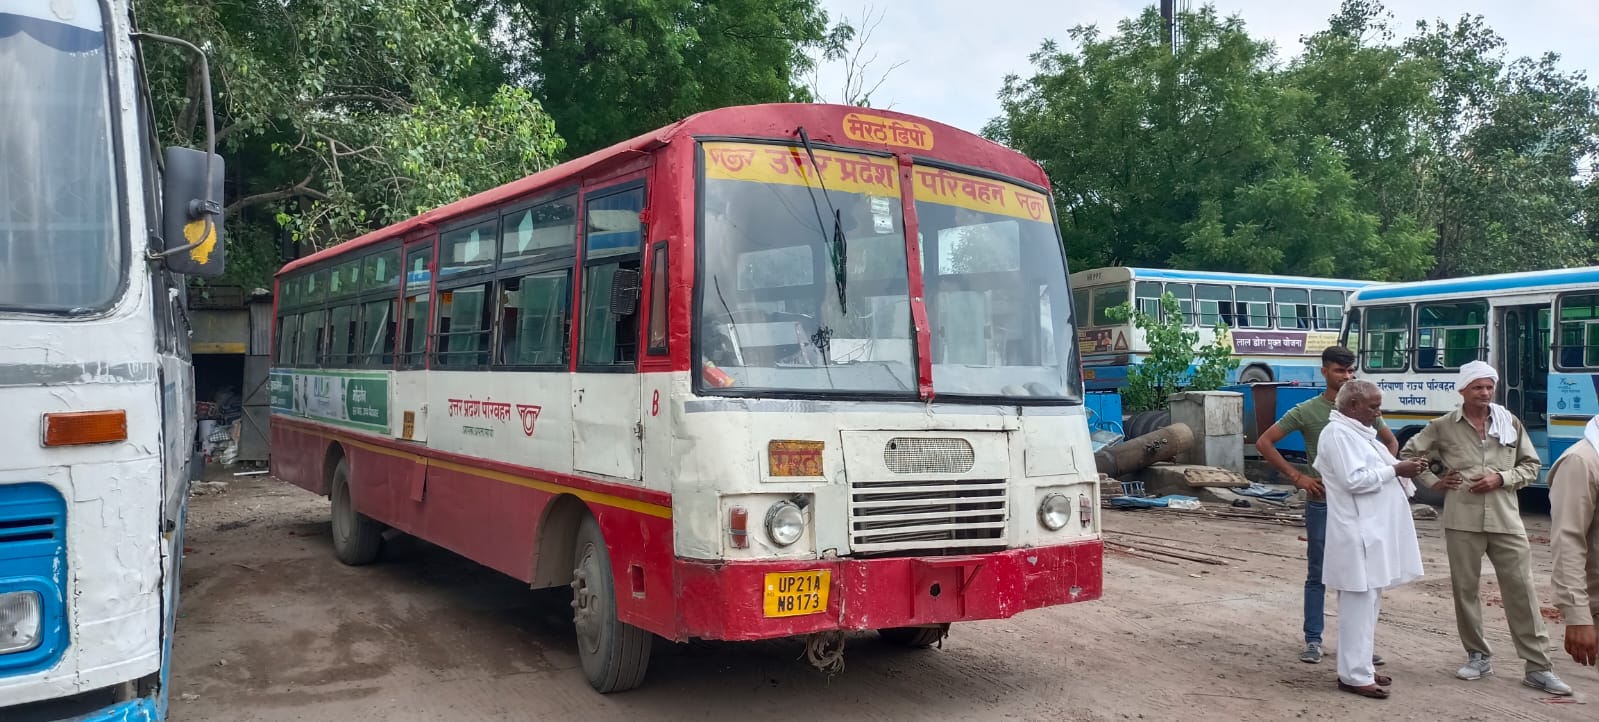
(694, 377)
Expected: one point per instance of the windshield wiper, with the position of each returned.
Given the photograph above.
(837, 248)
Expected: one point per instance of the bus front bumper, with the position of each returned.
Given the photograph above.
(730, 600)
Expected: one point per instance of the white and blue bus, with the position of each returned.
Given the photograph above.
(97, 227)
(1539, 329)
(1278, 325)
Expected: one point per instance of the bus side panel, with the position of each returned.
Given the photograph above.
(490, 521)
(297, 457)
(640, 545)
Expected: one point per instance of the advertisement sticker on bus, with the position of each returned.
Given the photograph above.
(345, 398)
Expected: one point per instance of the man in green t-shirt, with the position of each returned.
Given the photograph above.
(1309, 418)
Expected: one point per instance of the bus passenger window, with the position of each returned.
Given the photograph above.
(533, 319)
(1184, 293)
(545, 231)
(341, 335)
(1254, 307)
(377, 333)
(1450, 335)
(1579, 331)
(1387, 338)
(461, 336)
(1329, 309)
(312, 330)
(1293, 307)
(1148, 295)
(469, 249)
(613, 236)
(1215, 305)
(288, 330)
(418, 305)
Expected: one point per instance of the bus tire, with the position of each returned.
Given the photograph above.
(1254, 375)
(615, 654)
(914, 637)
(357, 539)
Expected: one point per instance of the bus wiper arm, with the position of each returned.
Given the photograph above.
(837, 248)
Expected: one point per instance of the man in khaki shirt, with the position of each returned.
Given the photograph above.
(1574, 512)
(1486, 456)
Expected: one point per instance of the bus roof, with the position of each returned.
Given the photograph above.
(1125, 273)
(823, 124)
(1478, 286)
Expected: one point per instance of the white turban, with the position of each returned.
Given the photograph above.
(1474, 371)
(1500, 423)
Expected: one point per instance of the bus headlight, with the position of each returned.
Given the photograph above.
(1055, 512)
(20, 617)
(785, 523)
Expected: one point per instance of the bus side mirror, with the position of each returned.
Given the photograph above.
(624, 291)
(191, 218)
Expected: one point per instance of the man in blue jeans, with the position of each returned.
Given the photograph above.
(1309, 418)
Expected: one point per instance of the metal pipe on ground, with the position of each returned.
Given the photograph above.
(1162, 444)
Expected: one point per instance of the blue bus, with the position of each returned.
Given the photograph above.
(1278, 325)
(1539, 329)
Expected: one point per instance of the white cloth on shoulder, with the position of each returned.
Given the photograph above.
(1501, 425)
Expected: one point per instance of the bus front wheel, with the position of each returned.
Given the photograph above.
(357, 539)
(914, 637)
(615, 654)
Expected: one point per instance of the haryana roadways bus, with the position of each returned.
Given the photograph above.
(1277, 325)
(777, 370)
(1539, 329)
(96, 225)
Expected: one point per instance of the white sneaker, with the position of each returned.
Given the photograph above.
(1477, 667)
(1548, 682)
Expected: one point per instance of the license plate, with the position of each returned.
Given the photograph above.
(792, 594)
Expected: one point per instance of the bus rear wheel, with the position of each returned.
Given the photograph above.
(615, 654)
(357, 539)
(914, 637)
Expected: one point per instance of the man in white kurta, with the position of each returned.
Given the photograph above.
(1371, 540)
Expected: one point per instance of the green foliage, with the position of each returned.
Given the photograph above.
(1173, 363)
(608, 70)
(1365, 156)
(337, 116)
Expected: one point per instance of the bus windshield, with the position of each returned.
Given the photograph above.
(997, 298)
(59, 244)
(791, 300)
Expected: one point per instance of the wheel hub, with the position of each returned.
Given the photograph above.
(586, 605)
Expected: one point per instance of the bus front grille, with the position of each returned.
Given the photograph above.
(927, 515)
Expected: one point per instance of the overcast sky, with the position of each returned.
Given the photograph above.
(957, 52)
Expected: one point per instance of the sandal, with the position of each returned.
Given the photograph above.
(1384, 680)
(1372, 691)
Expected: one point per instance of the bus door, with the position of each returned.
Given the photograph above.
(606, 419)
(1523, 358)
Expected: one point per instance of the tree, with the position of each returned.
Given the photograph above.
(1367, 156)
(337, 116)
(1173, 363)
(608, 70)
(1193, 157)
(849, 47)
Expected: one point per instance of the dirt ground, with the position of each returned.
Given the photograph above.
(271, 627)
